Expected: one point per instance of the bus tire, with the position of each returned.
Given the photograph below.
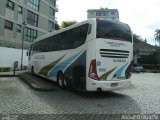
(60, 80)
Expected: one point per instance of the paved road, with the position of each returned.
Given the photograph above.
(143, 97)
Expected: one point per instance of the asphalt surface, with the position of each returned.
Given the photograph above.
(18, 100)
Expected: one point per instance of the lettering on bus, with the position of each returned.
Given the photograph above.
(114, 44)
(98, 63)
(102, 69)
(119, 60)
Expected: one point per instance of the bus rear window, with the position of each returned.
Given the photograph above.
(113, 30)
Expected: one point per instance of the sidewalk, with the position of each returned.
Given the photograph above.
(11, 73)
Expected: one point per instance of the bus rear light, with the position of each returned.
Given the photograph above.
(93, 70)
(130, 74)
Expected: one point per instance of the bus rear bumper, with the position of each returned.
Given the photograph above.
(93, 85)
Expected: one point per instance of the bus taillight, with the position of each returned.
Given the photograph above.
(93, 70)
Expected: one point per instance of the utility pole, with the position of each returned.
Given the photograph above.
(23, 25)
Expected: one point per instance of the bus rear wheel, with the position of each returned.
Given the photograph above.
(61, 80)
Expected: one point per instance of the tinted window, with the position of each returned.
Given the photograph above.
(8, 25)
(60, 41)
(66, 40)
(34, 4)
(113, 30)
(78, 35)
(32, 18)
(30, 34)
(19, 9)
(10, 5)
(18, 28)
(51, 13)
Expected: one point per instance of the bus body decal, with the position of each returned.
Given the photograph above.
(62, 65)
(105, 75)
(75, 74)
(44, 71)
(119, 72)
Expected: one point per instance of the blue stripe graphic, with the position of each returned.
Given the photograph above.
(119, 72)
(62, 66)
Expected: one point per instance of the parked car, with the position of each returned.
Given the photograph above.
(138, 68)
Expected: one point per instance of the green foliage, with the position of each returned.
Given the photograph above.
(151, 59)
(157, 36)
(67, 23)
(151, 67)
(145, 40)
(137, 38)
(5, 69)
(25, 67)
(158, 50)
(57, 27)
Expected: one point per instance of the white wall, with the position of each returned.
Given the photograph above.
(9, 55)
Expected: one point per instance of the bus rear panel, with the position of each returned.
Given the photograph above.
(110, 66)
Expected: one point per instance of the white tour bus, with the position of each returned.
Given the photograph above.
(94, 55)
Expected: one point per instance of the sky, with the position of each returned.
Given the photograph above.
(143, 16)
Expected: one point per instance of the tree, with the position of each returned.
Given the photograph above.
(157, 36)
(145, 40)
(57, 27)
(67, 23)
(136, 38)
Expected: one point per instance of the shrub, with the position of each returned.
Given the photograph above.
(25, 67)
(151, 66)
(5, 69)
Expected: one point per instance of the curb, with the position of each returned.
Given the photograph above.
(31, 80)
(9, 75)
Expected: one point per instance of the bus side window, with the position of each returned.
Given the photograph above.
(89, 28)
(78, 35)
(76, 44)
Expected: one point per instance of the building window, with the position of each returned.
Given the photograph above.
(91, 13)
(112, 13)
(34, 4)
(106, 13)
(98, 14)
(10, 5)
(51, 13)
(50, 26)
(18, 28)
(52, 2)
(32, 18)
(8, 25)
(30, 34)
(19, 9)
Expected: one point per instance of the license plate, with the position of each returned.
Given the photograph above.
(114, 84)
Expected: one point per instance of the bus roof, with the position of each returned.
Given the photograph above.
(92, 20)
(64, 29)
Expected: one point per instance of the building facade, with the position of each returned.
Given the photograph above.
(103, 13)
(25, 20)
